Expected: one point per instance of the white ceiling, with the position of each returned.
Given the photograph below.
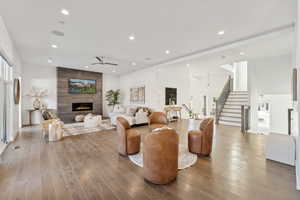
(280, 43)
(101, 28)
(277, 44)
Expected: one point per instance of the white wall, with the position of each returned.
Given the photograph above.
(155, 79)
(271, 76)
(8, 50)
(45, 77)
(207, 79)
(110, 82)
(191, 83)
(240, 76)
(297, 58)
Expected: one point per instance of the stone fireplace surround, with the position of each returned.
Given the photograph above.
(65, 100)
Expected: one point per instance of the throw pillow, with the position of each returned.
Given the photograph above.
(118, 109)
(131, 111)
(46, 115)
(79, 118)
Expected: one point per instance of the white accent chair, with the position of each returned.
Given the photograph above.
(56, 131)
(92, 121)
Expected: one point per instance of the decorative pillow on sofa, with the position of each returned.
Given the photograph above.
(119, 109)
(89, 116)
(131, 111)
(144, 109)
(79, 118)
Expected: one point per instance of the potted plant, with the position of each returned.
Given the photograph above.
(113, 98)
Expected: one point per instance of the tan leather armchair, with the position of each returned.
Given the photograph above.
(157, 120)
(160, 156)
(200, 141)
(128, 139)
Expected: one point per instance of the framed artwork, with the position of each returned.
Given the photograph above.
(17, 91)
(137, 95)
(78, 86)
(171, 96)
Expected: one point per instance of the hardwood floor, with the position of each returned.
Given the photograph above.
(89, 167)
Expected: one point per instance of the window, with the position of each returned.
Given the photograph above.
(5, 100)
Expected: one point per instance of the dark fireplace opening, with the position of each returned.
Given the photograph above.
(82, 106)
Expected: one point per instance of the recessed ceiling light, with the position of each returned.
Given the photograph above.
(167, 52)
(131, 37)
(50, 60)
(86, 66)
(242, 53)
(114, 70)
(187, 65)
(65, 12)
(54, 46)
(222, 32)
(133, 63)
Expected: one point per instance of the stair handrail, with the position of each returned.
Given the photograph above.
(220, 102)
(245, 118)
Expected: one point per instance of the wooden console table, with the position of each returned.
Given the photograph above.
(174, 109)
(30, 111)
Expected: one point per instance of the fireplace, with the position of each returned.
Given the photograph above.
(82, 106)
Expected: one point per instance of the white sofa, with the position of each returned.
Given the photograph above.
(133, 116)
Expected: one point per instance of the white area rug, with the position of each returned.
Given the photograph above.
(78, 128)
(185, 159)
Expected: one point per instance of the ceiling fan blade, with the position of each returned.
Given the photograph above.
(96, 63)
(107, 63)
(99, 59)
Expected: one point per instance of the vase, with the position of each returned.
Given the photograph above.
(36, 103)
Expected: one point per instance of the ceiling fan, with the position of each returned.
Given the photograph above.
(102, 62)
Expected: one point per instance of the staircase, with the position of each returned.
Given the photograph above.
(231, 112)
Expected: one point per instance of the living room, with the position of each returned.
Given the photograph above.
(144, 104)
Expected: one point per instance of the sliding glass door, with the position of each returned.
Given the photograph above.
(5, 100)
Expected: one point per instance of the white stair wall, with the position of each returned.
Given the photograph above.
(231, 113)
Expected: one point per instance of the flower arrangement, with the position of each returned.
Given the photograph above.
(189, 110)
(37, 94)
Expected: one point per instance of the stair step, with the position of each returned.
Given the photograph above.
(232, 119)
(228, 114)
(235, 96)
(243, 92)
(232, 110)
(236, 103)
(236, 107)
(237, 99)
(229, 123)
(238, 96)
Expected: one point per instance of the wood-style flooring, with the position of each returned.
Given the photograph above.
(88, 167)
